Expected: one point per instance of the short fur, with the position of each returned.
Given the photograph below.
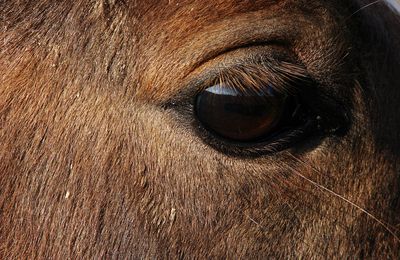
(92, 165)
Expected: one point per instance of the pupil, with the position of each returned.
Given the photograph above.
(240, 115)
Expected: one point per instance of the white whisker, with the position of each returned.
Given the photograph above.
(364, 7)
(321, 187)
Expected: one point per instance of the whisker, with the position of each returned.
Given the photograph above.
(329, 191)
(317, 249)
(255, 222)
(362, 8)
(310, 206)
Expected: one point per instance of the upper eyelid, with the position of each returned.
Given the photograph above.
(254, 74)
(270, 64)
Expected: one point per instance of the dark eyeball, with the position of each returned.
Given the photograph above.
(240, 115)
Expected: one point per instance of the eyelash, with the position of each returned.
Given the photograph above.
(255, 75)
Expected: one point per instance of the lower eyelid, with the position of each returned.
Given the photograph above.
(277, 144)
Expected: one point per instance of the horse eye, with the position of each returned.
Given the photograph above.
(238, 115)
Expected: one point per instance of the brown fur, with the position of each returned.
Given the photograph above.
(92, 165)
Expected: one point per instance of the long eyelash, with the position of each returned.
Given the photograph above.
(282, 77)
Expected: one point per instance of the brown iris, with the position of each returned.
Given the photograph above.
(240, 115)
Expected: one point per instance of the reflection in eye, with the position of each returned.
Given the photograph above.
(240, 115)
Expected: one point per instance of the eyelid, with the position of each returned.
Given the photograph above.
(251, 74)
(254, 56)
(282, 73)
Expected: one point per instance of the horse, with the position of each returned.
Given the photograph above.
(199, 129)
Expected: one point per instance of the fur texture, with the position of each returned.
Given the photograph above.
(93, 164)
